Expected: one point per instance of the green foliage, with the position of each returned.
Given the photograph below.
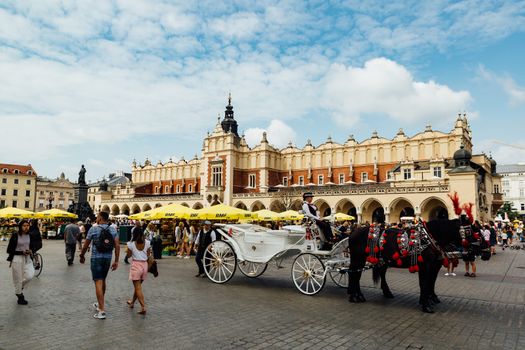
(507, 207)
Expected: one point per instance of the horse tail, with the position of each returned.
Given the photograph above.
(376, 277)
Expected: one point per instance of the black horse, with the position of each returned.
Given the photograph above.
(440, 238)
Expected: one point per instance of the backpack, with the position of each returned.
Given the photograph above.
(105, 241)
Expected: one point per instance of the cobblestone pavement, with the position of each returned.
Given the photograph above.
(184, 312)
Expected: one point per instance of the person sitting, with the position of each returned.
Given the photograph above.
(310, 211)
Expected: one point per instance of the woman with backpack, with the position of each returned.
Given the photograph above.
(139, 249)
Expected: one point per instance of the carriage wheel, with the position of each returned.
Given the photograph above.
(339, 277)
(252, 269)
(219, 261)
(308, 274)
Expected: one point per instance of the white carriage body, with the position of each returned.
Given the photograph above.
(259, 244)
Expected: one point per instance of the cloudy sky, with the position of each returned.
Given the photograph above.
(103, 82)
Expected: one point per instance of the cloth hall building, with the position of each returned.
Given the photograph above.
(378, 179)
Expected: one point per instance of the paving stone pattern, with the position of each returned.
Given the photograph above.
(185, 312)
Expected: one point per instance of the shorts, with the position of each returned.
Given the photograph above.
(138, 270)
(100, 268)
(470, 257)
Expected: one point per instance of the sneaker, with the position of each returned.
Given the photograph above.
(453, 273)
(95, 306)
(179, 256)
(187, 257)
(101, 315)
(447, 274)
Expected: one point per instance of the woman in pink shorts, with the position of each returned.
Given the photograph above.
(138, 249)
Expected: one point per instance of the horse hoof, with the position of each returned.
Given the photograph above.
(388, 295)
(427, 309)
(435, 299)
(352, 299)
(361, 299)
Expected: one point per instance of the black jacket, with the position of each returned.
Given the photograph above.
(35, 243)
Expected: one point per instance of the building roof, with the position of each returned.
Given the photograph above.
(511, 168)
(114, 179)
(22, 169)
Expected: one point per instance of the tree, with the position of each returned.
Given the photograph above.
(286, 198)
(508, 208)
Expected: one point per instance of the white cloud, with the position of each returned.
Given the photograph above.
(242, 25)
(383, 86)
(278, 134)
(515, 92)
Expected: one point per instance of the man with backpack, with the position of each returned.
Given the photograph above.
(105, 239)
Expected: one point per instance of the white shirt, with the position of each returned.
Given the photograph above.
(212, 235)
(139, 255)
(307, 212)
(486, 235)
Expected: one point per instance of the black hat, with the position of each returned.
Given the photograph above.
(307, 194)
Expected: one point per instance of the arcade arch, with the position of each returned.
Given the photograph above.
(277, 206)
(146, 207)
(433, 208)
(135, 209)
(105, 208)
(115, 210)
(296, 205)
(124, 210)
(372, 211)
(323, 207)
(241, 205)
(185, 205)
(197, 206)
(257, 206)
(347, 207)
(400, 207)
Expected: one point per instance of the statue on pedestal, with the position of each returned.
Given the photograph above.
(82, 176)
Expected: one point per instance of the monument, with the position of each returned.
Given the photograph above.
(80, 205)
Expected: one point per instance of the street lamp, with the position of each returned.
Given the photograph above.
(50, 199)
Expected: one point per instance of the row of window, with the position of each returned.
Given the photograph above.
(16, 171)
(42, 203)
(14, 204)
(51, 192)
(506, 183)
(177, 189)
(15, 181)
(15, 192)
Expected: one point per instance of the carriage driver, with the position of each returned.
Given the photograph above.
(310, 210)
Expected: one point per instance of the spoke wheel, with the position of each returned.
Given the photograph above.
(252, 269)
(308, 274)
(219, 261)
(339, 278)
(38, 257)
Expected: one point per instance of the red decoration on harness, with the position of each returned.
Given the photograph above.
(399, 262)
(376, 250)
(464, 242)
(395, 256)
(420, 259)
(476, 235)
(367, 250)
(467, 207)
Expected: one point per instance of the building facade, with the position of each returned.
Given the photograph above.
(513, 185)
(54, 193)
(17, 186)
(378, 179)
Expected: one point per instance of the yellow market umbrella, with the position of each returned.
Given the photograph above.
(267, 215)
(11, 213)
(145, 215)
(341, 217)
(291, 215)
(222, 212)
(55, 214)
(173, 211)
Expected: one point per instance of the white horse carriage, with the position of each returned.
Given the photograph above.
(252, 247)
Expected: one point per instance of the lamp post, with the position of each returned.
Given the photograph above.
(50, 199)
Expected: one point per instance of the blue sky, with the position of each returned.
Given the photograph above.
(101, 83)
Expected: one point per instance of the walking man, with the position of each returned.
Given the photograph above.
(206, 236)
(71, 234)
(105, 240)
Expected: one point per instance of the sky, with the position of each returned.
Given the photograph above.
(102, 83)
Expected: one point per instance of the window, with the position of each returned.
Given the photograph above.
(505, 183)
(4, 192)
(522, 206)
(496, 188)
(15, 192)
(178, 189)
(41, 193)
(26, 204)
(167, 189)
(251, 180)
(2, 203)
(390, 175)
(285, 181)
(301, 180)
(15, 181)
(157, 189)
(190, 188)
(437, 171)
(28, 193)
(16, 171)
(4, 170)
(216, 176)
(61, 194)
(522, 192)
(61, 204)
(341, 178)
(364, 177)
(521, 183)
(320, 180)
(28, 182)
(4, 180)
(41, 203)
(15, 204)
(407, 174)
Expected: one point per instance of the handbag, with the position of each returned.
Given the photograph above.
(152, 266)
